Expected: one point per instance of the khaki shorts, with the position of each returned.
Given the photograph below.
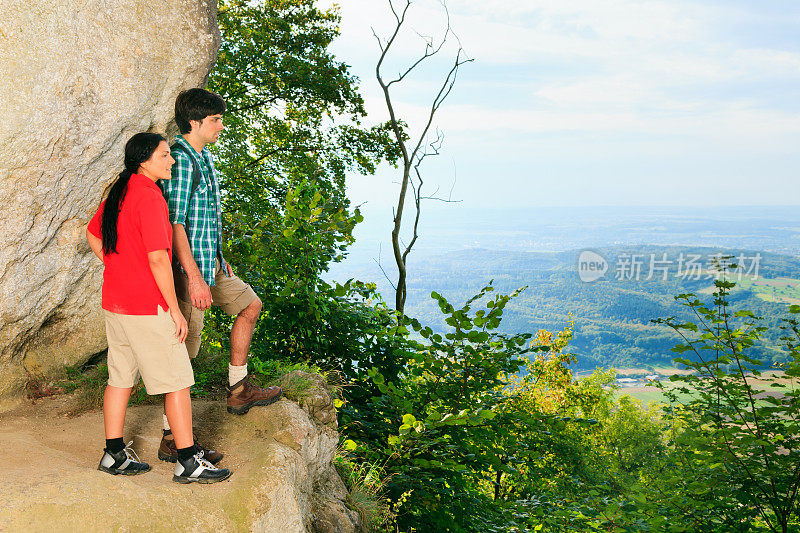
(231, 294)
(146, 345)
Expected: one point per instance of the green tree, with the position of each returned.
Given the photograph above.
(632, 437)
(438, 428)
(293, 130)
(748, 441)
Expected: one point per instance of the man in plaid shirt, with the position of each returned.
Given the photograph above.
(204, 278)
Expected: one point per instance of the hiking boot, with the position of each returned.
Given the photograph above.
(197, 469)
(167, 451)
(244, 395)
(123, 462)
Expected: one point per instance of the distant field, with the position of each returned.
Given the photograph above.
(778, 290)
(660, 370)
(766, 383)
(644, 394)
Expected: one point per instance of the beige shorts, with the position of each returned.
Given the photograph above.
(146, 345)
(231, 294)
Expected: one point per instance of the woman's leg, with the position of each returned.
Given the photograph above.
(115, 403)
(190, 466)
(178, 406)
(116, 458)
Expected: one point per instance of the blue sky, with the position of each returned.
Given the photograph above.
(597, 102)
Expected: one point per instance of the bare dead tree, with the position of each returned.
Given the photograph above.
(414, 151)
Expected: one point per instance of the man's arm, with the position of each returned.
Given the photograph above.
(178, 192)
(199, 291)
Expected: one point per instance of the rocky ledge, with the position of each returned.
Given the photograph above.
(281, 456)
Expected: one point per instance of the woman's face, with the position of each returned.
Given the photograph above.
(159, 166)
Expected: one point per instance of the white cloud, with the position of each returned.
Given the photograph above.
(677, 76)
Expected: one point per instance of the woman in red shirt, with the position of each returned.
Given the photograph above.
(132, 235)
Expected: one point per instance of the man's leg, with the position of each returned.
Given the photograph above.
(237, 298)
(194, 321)
(242, 333)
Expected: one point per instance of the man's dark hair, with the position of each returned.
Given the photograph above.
(196, 104)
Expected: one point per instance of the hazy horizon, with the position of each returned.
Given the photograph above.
(449, 228)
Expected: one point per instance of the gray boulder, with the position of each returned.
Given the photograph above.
(77, 79)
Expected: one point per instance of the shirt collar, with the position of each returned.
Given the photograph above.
(179, 138)
(138, 180)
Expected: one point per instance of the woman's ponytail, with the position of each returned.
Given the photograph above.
(108, 225)
(138, 149)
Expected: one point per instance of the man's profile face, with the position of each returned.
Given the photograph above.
(208, 129)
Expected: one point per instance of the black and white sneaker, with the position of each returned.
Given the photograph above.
(198, 469)
(124, 462)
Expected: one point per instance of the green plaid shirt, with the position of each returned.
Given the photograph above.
(202, 216)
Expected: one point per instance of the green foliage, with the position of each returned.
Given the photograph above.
(438, 425)
(366, 486)
(631, 438)
(749, 441)
(293, 129)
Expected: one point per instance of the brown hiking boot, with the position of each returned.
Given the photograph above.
(167, 451)
(244, 395)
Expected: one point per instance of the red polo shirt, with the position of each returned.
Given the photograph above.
(129, 287)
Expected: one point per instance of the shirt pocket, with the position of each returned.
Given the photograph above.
(202, 192)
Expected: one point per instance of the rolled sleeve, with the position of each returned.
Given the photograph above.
(178, 190)
(154, 223)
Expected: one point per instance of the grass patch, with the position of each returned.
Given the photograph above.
(366, 483)
(210, 375)
(88, 383)
(272, 372)
(643, 394)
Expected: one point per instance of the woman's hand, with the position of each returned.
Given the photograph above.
(161, 267)
(181, 328)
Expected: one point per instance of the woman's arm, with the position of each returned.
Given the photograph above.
(161, 267)
(96, 244)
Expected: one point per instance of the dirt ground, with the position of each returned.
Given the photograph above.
(51, 482)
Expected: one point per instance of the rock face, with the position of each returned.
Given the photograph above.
(281, 457)
(77, 79)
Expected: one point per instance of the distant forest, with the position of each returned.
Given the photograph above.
(612, 316)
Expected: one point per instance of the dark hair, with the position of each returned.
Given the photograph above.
(196, 104)
(138, 149)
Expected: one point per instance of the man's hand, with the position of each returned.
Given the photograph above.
(229, 269)
(181, 328)
(199, 293)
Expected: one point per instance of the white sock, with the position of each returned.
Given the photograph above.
(166, 422)
(236, 373)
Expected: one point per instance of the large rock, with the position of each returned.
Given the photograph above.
(77, 79)
(281, 456)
